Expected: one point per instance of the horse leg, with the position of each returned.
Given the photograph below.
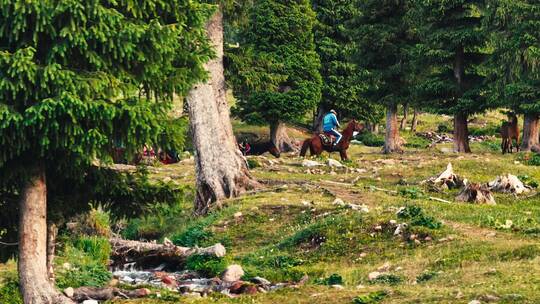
(503, 145)
(343, 154)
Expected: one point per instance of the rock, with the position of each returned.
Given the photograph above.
(361, 170)
(489, 298)
(360, 286)
(90, 302)
(338, 287)
(334, 163)
(363, 255)
(475, 302)
(69, 292)
(238, 215)
(491, 234)
(374, 275)
(167, 280)
(310, 163)
(233, 273)
(338, 202)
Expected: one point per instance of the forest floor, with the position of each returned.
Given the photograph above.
(293, 227)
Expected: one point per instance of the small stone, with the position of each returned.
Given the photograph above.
(90, 302)
(399, 268)
(491, 271)
(360, 286)
(338, 287)
(238, 215)
(374, 275)
(334, 163)
(417, 242)
(310, 163)
(392, 222)
(338, 202)
(363, 255)
(69, 292)
(475, 302)
(384, 267)
(490, 298)
(428, 239)
(192, 295)
(233, 273)
(378, 228)
(459, 295)
(333, 173)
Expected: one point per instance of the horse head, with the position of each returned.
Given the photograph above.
(356, 127)
(274, 150)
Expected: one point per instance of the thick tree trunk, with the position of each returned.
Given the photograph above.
(414, 123)
(32, 265)
(221, 169)
(317, 119)
(279, 137)
(530, 132)
(392, 142)
(461, 134)
(52, 233)
(403, 124)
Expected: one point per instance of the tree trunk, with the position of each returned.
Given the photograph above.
(221, 169)
(52, 233)
(373, 127)
(279, 137)
(414, 123)
(392, 142)
(530, 132)
(461, 134)
(317, 119)
(403, 124)
(32, 265)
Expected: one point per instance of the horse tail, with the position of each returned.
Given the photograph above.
(305, 146)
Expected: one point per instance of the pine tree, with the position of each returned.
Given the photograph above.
(383, 40)
(453, 48)
(275, 71)
(515, 64)
(75, 77)
(343, 81)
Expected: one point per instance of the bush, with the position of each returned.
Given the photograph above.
(444, 128)
(426, 276)
(9, 289)
(253, 163)
(371, 140)
(416, 217)
(388, 278)
(86, 260)
(333, 279)
(193, 236)
(417, 142)
(207, 266)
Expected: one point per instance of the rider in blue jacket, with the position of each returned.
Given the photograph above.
(330, 123)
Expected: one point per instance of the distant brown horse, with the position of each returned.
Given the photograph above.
(316, 145)
(509, 132)
(259, 148)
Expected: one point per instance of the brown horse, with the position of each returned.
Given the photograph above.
(316, 146)
(259, 148)
(509, 132)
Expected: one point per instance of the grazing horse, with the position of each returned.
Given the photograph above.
(317, 146)
(259, 148)
(509, 132)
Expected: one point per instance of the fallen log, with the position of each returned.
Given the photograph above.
(508, 184)
(104, 294)
(144, 253)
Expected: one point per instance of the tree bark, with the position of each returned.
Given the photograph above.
(52, 233)
(317, 119)
(403, 124)
(34, 282)
(530, 132)
(461, 133)
(414, 123)
(221, 169)
(279, 137)
(392, 142)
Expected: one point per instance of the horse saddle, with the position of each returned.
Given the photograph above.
(327, 139)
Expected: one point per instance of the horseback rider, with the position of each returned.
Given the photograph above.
(330, 123)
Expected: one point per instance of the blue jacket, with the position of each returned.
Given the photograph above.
(330, 122)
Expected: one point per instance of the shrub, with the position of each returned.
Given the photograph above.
(253, 163)
(529, 181)
(388, 278)
(207, 266)
(426, 276)
(9, 289)
(416, 217)
(443, 128)
(370, 298)
(371, 140)
(333, 279)
(412, 193)
(417, 142)
(98, 248)
(193, 236)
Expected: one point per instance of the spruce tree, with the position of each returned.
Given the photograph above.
(76, 77)
(275, 71)
(343, 81)
(515, 64)
(453, 48)
(383, 40)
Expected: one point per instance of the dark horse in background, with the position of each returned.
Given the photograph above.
(509, 132)
(325, 142)
(259, 148)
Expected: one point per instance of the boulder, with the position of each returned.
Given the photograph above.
(310, 163)
(334, 163)
(233, 273)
